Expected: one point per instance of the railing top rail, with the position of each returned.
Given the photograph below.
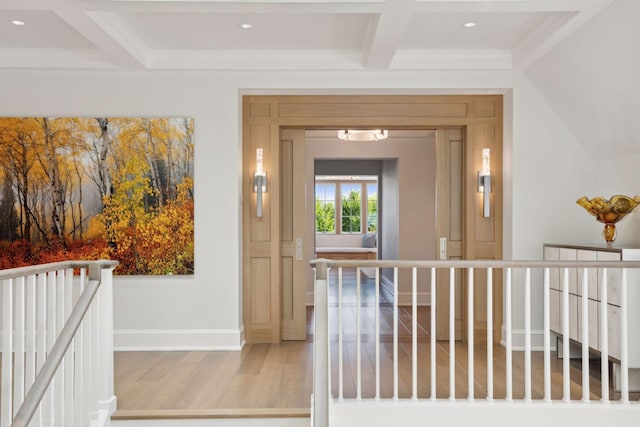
(472, 264)
(12, 273)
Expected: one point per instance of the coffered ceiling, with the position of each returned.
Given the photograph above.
(285, 35)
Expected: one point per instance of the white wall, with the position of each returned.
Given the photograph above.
(203, 311)
(547, 170)
(591, 81)
(588, 87)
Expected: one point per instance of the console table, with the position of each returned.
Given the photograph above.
(569, 252)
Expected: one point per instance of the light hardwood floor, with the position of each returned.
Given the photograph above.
(276, 379)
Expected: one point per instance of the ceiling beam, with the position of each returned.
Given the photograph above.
(109, 34)
(216, 6)
(504, 6)
(385, 33)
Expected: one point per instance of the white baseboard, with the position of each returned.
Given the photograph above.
(178, 339)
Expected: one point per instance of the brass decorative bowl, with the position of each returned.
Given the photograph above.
(609, 212)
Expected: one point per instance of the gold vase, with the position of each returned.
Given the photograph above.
(609, 212)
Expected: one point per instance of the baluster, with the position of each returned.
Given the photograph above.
(358, 338)
(58, 390)
(68, 358)
(48, 403)
(566, 396)
(585, 335)
(490, 334)
(433, 334)
(30, 310)
(41, 334)
(508, 355)
(19, 332)
(604, 338)
(79, 369)
(414, 334)
(95, 349)
(6, 407)
(452, 336)
(87, 375)
(547, 338)
(624, 340)
(527, 335)
(470, 332)
(340, 339)
(377, 320)
(395, 333)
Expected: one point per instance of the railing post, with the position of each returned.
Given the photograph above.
(106, 394)
(321, 371)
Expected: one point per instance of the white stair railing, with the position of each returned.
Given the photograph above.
(513, 374)
(57, 345)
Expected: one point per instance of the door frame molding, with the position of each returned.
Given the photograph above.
(263, 116)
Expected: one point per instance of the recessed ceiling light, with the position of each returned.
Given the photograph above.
(246, 26)
(469, 24)
(17, 22)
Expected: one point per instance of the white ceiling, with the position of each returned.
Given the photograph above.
(297, 34)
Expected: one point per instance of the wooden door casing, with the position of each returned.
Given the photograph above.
(264, 116)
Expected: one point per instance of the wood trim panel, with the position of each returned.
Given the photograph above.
(331, 110)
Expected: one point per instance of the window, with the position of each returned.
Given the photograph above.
(351, 218)
(325, 208)
(372, 207)
(346, 205)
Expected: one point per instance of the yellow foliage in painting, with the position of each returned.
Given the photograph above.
(157, 240)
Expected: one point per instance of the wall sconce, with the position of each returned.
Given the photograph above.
(259, 182)
(484, 181)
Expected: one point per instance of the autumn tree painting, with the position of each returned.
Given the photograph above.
(97, 188)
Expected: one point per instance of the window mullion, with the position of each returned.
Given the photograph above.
(364, 208)
(338, 196)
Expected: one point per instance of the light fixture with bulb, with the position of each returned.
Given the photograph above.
(484, 182)
(17, 22)
(363, 134)
(259, 181)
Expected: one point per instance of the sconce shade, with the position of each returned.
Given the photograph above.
(484, 182)
(259, 181)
